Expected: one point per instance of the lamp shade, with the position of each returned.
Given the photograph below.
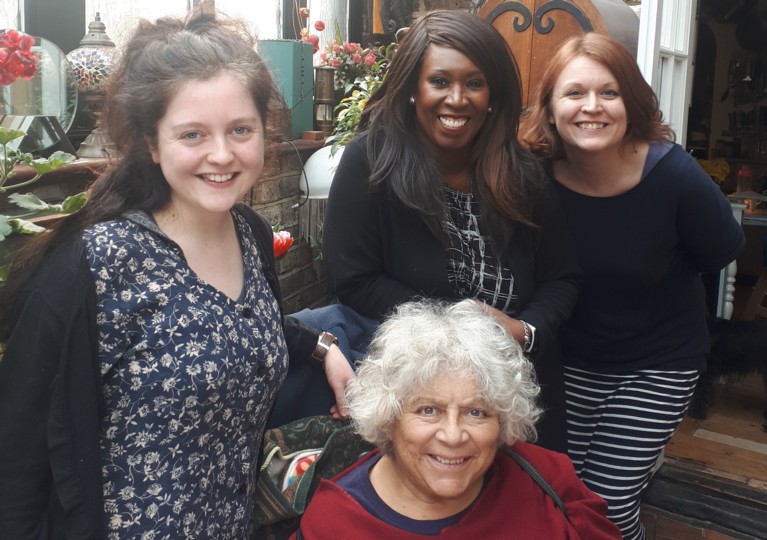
(93, 60)
(318, 173)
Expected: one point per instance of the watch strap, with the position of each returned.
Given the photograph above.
(325, 341)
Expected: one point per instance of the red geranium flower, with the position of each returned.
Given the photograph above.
(16, 57)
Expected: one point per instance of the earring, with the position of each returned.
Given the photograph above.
(489, 109)
(412, 100)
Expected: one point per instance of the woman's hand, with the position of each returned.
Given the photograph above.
(512, 326)
(339, 373)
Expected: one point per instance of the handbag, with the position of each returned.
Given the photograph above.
(296, 456)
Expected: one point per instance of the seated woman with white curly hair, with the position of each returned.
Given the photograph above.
(444, 394)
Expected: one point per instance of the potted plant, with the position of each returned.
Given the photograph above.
(17, 60)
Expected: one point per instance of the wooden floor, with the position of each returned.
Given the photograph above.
(730, 444)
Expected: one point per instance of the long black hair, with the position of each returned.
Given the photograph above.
(507, 177)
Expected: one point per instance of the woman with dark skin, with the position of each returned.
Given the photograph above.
(436, 198)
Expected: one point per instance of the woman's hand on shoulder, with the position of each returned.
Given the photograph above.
(513, 327)
(338, 372)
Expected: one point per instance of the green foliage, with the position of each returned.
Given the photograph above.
(349, 111)
(21, 223)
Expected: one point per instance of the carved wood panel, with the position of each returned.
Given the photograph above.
(534, 29)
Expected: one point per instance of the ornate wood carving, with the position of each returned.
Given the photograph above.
(534, 29)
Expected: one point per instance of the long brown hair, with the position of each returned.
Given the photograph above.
(645, 120)
(157, 61)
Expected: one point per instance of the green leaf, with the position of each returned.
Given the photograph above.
(5, 227)
(73, 203)
(23, 226)
(3, 274)
(29, 201)
(8, 135)
(46, 165)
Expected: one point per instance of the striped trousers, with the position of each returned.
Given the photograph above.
(617, 427)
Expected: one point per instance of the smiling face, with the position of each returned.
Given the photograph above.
(451, 101)
(587, 108)
(210, 145)
(444, 442)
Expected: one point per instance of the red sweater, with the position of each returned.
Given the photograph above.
(510, 506)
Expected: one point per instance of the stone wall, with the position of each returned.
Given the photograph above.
(421, 7)
(275, 195)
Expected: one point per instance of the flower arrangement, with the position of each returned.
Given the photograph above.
(350, 109)
(349, 59)
(16, 57)
(717, 169)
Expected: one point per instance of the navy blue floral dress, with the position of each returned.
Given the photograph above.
(189, 379)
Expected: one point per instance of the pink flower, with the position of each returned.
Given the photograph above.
(319, 26)
(356, 58)
(336, 48)
(334, 62)
(370, 59)
(351, 47)
(323, 57)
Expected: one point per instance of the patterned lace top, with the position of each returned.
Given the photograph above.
(473, 268)
(189, 378)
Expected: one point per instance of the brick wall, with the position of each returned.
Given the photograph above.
(302, 281)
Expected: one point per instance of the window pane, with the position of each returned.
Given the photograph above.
(263, 16)
(9, 14)
(120, 16)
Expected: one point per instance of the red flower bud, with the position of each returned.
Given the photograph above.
(319, 26)
(282, 243)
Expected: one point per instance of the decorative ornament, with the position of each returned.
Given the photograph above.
(93, 62)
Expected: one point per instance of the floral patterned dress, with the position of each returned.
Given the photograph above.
(189, 378)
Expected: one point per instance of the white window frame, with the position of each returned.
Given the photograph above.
(665, 54)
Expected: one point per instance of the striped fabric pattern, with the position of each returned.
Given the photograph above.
(617, 427)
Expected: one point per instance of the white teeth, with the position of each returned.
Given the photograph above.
(453, 122)
(218, 178)
(591, 125)
(449, 461)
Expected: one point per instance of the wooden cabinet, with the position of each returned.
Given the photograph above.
(534, 29)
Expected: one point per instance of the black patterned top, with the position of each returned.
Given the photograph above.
(473, 267)
(189, 379)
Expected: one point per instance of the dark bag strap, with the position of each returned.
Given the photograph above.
(538, 478)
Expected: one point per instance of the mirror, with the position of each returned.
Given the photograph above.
(52, 92)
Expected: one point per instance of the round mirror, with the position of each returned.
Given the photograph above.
(52, 92)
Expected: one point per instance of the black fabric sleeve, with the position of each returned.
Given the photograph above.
(50, 409)
(710, 236)
(354, 242)
(557, 274)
